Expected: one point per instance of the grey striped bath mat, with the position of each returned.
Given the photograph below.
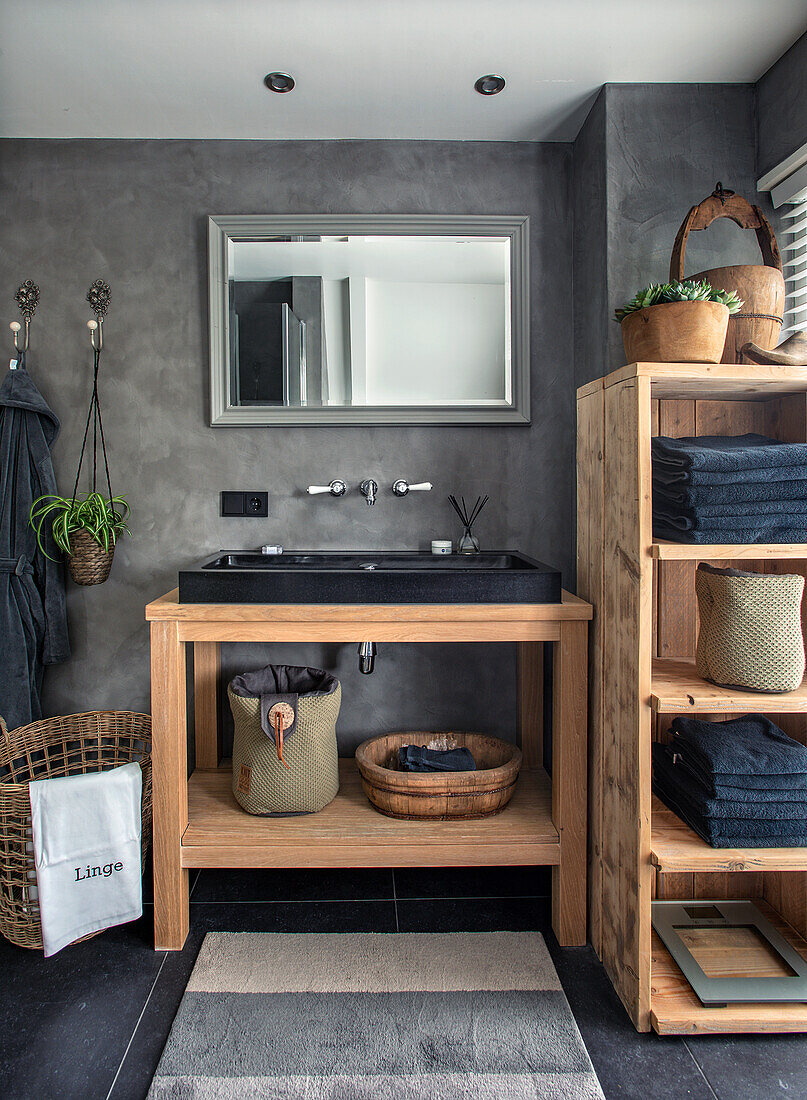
(403, 1016)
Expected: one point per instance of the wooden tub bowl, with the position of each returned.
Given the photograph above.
(446, 796)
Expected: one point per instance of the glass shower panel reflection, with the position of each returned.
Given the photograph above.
(295, 380)
(267, 342)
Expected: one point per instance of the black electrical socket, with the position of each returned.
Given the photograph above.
(251, 503)
(256, 504)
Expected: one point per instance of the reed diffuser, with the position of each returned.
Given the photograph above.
(469, 543)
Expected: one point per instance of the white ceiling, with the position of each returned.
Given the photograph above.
(364, 68)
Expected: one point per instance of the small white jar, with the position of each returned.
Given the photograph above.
(441, 546)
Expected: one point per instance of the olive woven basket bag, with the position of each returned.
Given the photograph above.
(285, 758)
(750, 629)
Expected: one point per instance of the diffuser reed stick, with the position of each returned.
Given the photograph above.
(468, 544)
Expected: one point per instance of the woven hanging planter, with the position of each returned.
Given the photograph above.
(89, 563)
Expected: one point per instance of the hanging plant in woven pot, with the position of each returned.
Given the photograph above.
(86, 528)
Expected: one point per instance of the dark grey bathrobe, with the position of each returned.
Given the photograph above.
(33, 619)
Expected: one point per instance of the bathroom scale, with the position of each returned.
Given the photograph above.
(730, 953)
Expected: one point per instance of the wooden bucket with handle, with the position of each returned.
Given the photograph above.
(760, 286)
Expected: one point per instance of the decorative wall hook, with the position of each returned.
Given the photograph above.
(98, 296)
(27, 298)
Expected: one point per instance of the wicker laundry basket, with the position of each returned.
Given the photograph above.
(50, 749)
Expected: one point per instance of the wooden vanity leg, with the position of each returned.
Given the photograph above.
(169, 762)
(206, 672)
(530, 718)
(569, 782)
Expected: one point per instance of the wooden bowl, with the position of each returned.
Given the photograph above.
(421, 796)
(676, 332)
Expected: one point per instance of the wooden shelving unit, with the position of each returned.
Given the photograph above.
(642, 673)
(197, 822)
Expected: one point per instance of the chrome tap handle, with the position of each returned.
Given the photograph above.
(337, 488)
(368, 490)
(401, 487)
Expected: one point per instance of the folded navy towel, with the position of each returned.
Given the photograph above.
(742, 749)
(734, 536)
(687, 521)
(726, 453)
(705, 786)
(758, 475)
(747, 510)
(689, 496)
(669, 774)
(716, 834)
(416, 758)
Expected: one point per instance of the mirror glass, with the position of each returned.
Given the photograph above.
(404, 325)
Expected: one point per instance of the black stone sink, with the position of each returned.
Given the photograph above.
(370, 576)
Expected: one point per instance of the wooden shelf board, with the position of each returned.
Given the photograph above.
(676, 688)
(684, 551)
(675, 1010)
(350, 833)
(715, 381)
(674, 847)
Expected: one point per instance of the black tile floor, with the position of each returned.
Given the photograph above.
(91, 1022)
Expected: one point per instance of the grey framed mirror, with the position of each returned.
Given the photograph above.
(368, 319)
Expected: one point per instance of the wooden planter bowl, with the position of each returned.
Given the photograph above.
(443, 795)
(676, 332)
(89, 563)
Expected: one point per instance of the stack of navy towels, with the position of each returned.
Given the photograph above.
(738, 784)
(729, 489)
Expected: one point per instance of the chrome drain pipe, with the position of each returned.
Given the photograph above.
(367, 652)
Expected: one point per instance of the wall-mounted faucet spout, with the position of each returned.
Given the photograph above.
(368, 489)
(367, 652)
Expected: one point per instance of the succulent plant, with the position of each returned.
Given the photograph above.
(687, 290)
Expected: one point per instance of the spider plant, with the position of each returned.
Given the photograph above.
(104, 518)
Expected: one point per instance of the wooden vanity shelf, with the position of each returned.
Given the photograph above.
(197, 822)
(642, 673)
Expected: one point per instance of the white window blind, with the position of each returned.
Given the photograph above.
(788, 187)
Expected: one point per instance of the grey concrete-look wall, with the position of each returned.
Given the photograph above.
(133, 213)
(645, 155)
(591, 307)
(666, 147)
(782, 108)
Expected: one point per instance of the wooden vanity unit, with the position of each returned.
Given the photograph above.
(198, 823)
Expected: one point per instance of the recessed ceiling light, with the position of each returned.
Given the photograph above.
(490, 84)
(279, 82)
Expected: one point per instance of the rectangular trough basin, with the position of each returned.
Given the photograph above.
(370, 576)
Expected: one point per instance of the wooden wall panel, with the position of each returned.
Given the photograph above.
(590, 497)
(627, 874)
